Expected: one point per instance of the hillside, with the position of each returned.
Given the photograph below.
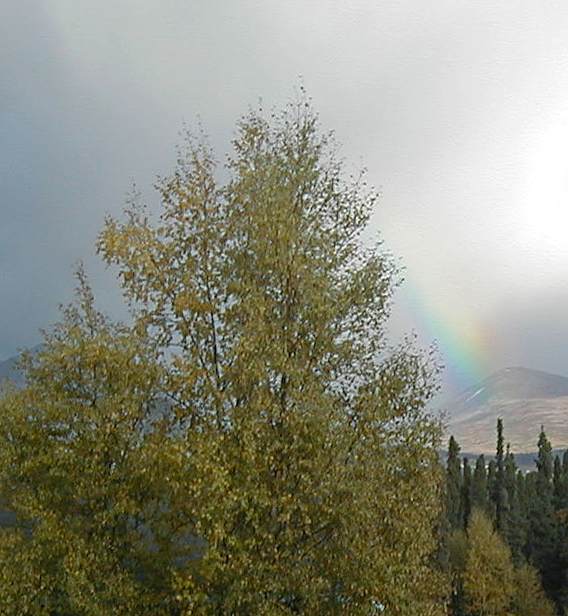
(525, 399)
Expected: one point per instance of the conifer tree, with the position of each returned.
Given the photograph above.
(563, 487)
(520, 491)
(560, 482)
(510, 472)
(522, 507)
(560, 485)
(499, 492)
(491, 488)
(466, 495)
(515, 530)
(479, 486)
(543, 529)
(454, 485)
(457, 554)
(544, 462)
(536, 530)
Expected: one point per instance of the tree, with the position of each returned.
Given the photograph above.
(565, 463)
(78, 466)
(488, 577)
(454, 485)
(491, 487)
(479, 486)
(293, 467)
(466, 493)
(499, 493)
(558, 483)
(515, 530)
(457, 557)
(529, 598)
(542, 545)
(561, 485)
(544, 462)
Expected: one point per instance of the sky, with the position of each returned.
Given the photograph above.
(459, 111)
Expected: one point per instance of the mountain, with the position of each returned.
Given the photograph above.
(9, 371)
(9, 368)
(525, 399)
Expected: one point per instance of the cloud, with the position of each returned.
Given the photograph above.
(449, 106)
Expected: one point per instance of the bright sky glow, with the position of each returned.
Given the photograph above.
(458, 110)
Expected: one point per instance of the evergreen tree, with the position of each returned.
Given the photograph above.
(535, 531)
(491, 488)
(520, 490)
(557, 483)
(466, 495)
(563, 488)
(560, 482)
(544, 461)
(499, 492)
(457, 552)
(510, 473)
(453, 485)
(479, 498)
(543, 535)
(522, 505)
(515, 530)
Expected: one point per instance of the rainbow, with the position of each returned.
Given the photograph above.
(463, 344)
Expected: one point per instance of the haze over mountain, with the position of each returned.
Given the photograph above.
(9, 368)
(9, 371)
(525, 399)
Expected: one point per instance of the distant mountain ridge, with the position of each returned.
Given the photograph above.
(9, 371)
(525, 399)
(9, 368)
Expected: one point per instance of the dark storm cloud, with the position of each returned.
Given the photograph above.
(31, 84)
(457, 109)
(68, 156)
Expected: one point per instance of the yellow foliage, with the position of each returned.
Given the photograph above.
(488, 579)
(250, 444)
(529, 598)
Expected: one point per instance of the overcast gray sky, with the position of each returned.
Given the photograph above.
(458, 109)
